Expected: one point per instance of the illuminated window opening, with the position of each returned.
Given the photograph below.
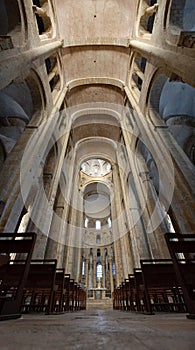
(98, 225)
(109, 223)
(99, 271)
(86, 222)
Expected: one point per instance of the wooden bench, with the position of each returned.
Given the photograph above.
(182, 251)
(82, 299)
(132, 293)
(59, 291)
(11, 286)
(126, 294)
(117, 298)
(66, 296)
(129, 295)
(139, 292)
(40, 286)
(161, 287)
(73, 296)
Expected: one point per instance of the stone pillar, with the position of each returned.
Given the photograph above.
(119, 225)
(111, 276)
(103, 268)
(87, 273)
(133, 204)
(94, 267)
(165, 149)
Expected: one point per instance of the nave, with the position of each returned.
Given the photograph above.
(98, 329)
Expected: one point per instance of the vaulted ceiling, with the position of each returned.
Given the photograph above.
(96, 50)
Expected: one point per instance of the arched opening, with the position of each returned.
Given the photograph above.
(148, 10)
(53, 68)
(174, 101)
(21, 104)
(138, 66)
(44, 15)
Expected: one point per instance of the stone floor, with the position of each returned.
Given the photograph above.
(91, 330)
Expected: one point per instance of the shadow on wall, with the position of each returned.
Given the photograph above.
(16, 111)
(174, 101)
(177, 109)
(182, 16)
(10, 21)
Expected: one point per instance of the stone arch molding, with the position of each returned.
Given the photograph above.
(32, 174)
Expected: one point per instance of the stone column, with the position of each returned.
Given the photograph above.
(87, 273)
(120, 223)
(111, 276)
(103, 268)
(94, 267)
(165, 149)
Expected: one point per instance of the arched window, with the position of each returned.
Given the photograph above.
(43, 14)
(149, 8)
(109, 222)
(99, 270)
(98, 239)
(86, 222)
(83, 268)
(98, 225)
(113, 269)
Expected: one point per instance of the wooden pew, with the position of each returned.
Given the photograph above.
(71, 295)
(11, 286)
(132, 292)
(162, 291)
(117, 298)
(40, 286)
(139, 292)
(82, 299)
(66, 295)
(185, 269)
(129, 295)
(59, 291)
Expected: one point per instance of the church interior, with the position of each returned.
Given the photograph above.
(97, 180)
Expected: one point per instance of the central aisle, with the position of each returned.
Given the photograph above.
(91, 330)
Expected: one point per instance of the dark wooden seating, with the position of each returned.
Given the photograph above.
(11, 284)
(82, 299)
(66, 295)
(73, 302)
(182, 251)
(40, 286)
(132, 293)
(129, 295)
(139, 292)
(161, 287)
(59, 292)
(74, 297)
(152, 288)
(34, 285)
(116, 295)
